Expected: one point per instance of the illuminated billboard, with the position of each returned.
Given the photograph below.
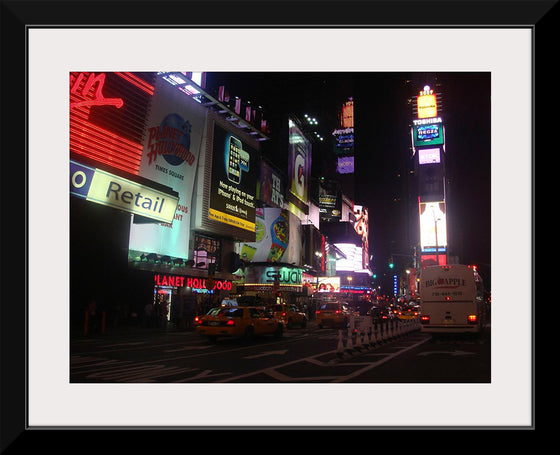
(330, 200)
(270, 186)
(104, 188)
(361, 226)
(347, 116)
(427, 105)
(354, 258)
(278, 238)
(343, 140)
(433, 226)
(234, 180)
(328, 284)
(429, 155)
(345, 165)
(173, 139)
(428, 134)
(299, 166)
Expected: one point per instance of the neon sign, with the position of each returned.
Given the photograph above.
(190, 282)
(118, 142)
(98, 98)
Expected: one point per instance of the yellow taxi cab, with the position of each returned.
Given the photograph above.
(333, 313)
(245, 322)
(290, 314)
(408, 312)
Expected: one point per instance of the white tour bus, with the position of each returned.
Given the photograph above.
(451, 299)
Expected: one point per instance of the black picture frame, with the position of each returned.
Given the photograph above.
(17, 17)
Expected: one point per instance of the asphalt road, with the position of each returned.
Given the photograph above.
(309, 355)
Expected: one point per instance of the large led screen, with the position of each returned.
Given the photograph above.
(427, 135)
(429, 155)
(354, 258)
(433, 226)
(345, 165)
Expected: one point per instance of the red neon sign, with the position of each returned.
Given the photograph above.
(190, 282)
(98, 98)
(115, 140)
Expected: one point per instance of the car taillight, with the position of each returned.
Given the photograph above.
(283, 314)
(472, 318)
(230, 322)
(318, 312)
(425, 319)
(197, 320)
(338, 312)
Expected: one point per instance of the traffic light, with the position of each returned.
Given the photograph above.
(391, 263)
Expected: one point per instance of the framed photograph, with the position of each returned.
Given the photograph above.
(45, 43)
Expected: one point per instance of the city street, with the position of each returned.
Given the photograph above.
(301, 355)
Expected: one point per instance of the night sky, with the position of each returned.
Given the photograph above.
(383, 147)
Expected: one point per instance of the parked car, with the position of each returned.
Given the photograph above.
(334, 313)
(290, 314)
(246, 322)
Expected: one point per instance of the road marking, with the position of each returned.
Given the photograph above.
(136, 343)
(205, 374)
(264, 354)
(144, 373)
(189, 348)
(453, 353)
(380, 362)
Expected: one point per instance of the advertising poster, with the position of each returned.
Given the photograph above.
(428, 134)
(234, 181)
(278, 238)
(330, 200)
(270, 186)
(172, 143)
(433, 226)
(328, 284)
(343, 140)
(427, 105)
(299, 162)
(345, 165)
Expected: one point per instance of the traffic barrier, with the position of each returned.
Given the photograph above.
(370, 337)
(358, 346)
(340, 346)
(349, 346)
(363, 335)
(378, 339)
